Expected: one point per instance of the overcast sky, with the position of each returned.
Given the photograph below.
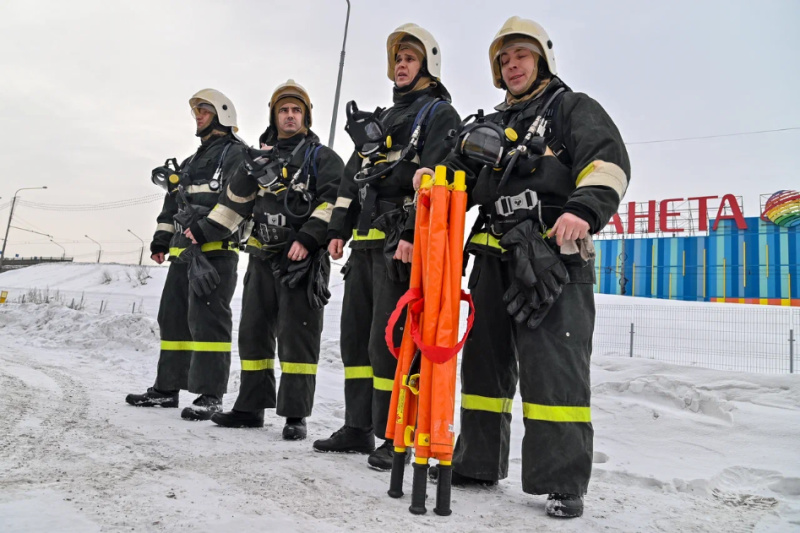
(94, 94)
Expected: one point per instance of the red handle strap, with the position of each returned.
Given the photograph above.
(439, 354)
(415, 300)
(411, 295)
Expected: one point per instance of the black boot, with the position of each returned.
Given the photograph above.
(347, 439)
(382, 458)
(295, 429)
(459, 480)
(239, 419)
(202, 408)
(153, 398)
(564, 505)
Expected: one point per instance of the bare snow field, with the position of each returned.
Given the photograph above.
(678, 449)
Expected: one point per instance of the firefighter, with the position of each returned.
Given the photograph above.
(195, 314)
(548, 170)
(289, 191)
(374, 207)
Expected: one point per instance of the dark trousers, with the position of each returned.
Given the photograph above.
(271, 311)
(196, 331)
(369, 298)
(551, 363)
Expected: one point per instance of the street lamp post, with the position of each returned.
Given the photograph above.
(10, 215)
(141, 254)
(63, 250)
(100, 251)
(339, 81)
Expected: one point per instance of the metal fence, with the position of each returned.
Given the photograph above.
(748, 339)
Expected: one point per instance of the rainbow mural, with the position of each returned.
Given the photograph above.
(757, 265)
(783, 209)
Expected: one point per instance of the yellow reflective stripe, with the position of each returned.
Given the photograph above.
(323, 212)
(556, 413)
(382, 383)
(484, 403)
(357, 372)
(177, 346)
(486, 239)
(588, 169)
(184, 346)
(373, 235)
(259, 364)
(255, 243)
(212, 346)
(298, 368)
(207, 247)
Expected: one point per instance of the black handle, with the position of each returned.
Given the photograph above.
(443, 490)
(418, 488)
(398, 470)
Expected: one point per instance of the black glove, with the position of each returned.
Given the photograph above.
(392, 224)
(296, 271)
(203, 277)
(538, 275)
(317, 290)
(190, 214)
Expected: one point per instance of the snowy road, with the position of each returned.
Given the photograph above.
(677, 449)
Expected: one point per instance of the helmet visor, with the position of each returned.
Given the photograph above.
(203, 105)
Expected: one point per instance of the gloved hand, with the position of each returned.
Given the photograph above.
(538, 274)
(392, 224)
(317, 290)
(203, 277)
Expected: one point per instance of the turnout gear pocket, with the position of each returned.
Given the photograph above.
(537, 275)
(392, 225)
(203, 277)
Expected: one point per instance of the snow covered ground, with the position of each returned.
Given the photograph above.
(677, 448)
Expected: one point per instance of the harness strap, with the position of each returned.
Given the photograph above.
(506, 205)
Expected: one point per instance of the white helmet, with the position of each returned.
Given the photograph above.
(294, 89)
(513, 27)
(226, 113)
(433, 55)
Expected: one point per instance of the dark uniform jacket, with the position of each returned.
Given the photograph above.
(396, 189)
(588, 178)
(202, 190)
(321, 170)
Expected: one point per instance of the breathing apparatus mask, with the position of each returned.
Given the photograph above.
(485, 142)
(482, 141)
(168, 176)
(269, 170)
(366, 130)
(264, 167)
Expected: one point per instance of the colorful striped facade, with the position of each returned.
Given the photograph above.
(758, 265)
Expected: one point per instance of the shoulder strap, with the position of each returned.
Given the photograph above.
(553, 134)
(423, 117)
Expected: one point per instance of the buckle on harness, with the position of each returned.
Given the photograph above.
(276, 220)
(506, 205)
